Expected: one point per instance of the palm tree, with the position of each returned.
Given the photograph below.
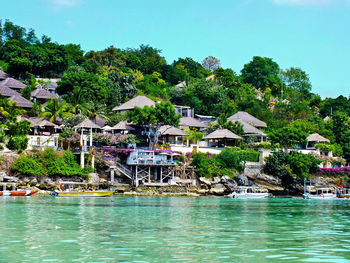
(77, 99)
(55, 109)
(10, 109)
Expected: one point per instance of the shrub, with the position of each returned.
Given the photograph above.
(231, 159)
(28, 165)
(49, 162)
(18, 143)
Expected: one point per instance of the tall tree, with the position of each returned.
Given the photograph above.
(297, 79)
(262, 73)
(211, 63)
(153, 118)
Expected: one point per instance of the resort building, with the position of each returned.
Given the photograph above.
(12, 84)
(138, 101)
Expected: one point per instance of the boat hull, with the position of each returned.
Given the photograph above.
(82, 194)
(251, 196)
(19, 193)
(320, 197)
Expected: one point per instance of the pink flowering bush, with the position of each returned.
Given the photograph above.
(110, 139)
(73, 138)
(341, 171)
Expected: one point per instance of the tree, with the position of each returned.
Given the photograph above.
(211, 63)
(288, 137)
(235, 127)
(297, 79)
(55, 109)
(18, 66)
(262, 73)
(10, 109)
(152, 118)
(91, 86)
(194, 135)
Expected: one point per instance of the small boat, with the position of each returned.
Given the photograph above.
(249, 192)
(344, 193)
(15, 192)
(67, 190)
(320, 193)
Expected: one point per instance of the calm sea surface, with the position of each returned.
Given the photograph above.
(161, 229)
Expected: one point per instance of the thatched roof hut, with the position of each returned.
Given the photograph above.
(246, 117)
(41, 123)
(42, 94)
(21, 102)
(12, 83)
(189, 122)
(139, 101)
(171, 131)
(3, 75)
(222, 134)
(7, 92)
(122, 126)
(88, 124)
(315, 137)
(250, 129)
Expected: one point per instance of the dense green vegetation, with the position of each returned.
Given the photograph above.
(94, 82)
(48, 163)
(228, 162)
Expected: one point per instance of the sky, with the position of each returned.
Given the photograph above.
(313, 35)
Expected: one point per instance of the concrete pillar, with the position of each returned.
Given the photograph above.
(136, 177)
(93, 161)
(91, 137)
(82, 158)
(81, 137)
(112, 175)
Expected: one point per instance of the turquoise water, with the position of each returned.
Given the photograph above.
(160, 229)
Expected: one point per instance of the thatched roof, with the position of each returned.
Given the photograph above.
(43, 94)
(250, 129)
(139, 101)
(12, 83)
(21, 102)
(171, 130)
(3, 75)
(87, 124)
(191, 122)
(315, 137)
(7, 92)
(222, 134)
(100, 121)
(107, 128)
(246, 117)
(123, 126)
(40, 122)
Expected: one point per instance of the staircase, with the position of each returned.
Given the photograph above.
(124, 170)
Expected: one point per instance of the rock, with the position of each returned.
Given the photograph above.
(204, 180)
(94, 179)
(242, 180)
(216, 180)
(218, 189)
(46, 181)
(268, 179)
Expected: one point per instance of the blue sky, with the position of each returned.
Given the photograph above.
(311, 34)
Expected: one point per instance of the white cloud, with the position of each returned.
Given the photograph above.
(309, 2)
(66, 3)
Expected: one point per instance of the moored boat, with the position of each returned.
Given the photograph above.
(320, 193)
(15, 192)
(249, 192)
(66, 189)
(344, 193)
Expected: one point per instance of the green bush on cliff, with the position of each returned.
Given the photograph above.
(28, 165)
(48, 162)
(18, 143)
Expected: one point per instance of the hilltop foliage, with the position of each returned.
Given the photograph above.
(94, 82)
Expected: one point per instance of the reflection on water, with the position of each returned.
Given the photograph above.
(152, 229)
